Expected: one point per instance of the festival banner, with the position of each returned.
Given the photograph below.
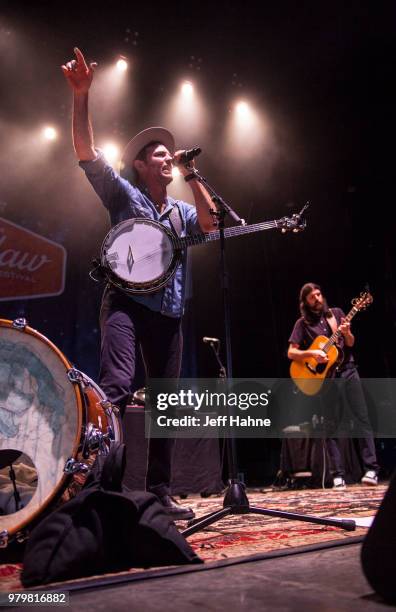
(31, 266)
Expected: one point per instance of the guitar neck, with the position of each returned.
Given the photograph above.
(238, 230)
(335, 335)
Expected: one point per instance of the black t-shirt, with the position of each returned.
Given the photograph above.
(304, 333)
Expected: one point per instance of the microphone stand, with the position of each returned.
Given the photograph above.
(17, 497)
(235, 499)
(216, 350)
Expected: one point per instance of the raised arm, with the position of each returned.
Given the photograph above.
(79, 76)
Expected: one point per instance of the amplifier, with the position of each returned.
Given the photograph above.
(196, 466)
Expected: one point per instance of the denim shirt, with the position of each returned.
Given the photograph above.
(125, 201)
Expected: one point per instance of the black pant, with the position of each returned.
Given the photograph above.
(126, 326)
(354, 397)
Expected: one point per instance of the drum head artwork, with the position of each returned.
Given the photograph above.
(40, 419)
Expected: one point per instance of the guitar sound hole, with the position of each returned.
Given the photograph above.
(318, 369)
(310, 368)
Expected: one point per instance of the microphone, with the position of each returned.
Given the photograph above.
(187, 156)
(211, 340)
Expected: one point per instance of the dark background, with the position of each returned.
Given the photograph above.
(322, 73)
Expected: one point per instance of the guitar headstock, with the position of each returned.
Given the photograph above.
(364, 300)
(296, 223)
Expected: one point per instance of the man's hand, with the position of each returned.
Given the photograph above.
(319, 355)
(78, 74)
(345, 327)
(184, 169)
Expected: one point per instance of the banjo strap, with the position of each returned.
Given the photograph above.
(175, 220)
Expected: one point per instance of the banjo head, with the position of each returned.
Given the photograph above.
(139, 255)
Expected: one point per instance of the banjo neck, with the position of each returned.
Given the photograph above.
(229, 232)
(141, 255)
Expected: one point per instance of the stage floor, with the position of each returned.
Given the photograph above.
(329, 580)
(251, 561)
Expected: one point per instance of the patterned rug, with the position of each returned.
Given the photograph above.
(250, 534)
(241, 536)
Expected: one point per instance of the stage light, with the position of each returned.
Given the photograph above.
(246, 130)
(175, 172)
(185, 113)
(245, 117)
(111, 152)
(187, 89)
(242, 108)
(49, 133)
(122, 65)
(111, 86)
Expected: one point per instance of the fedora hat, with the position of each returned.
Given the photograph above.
(138, 142)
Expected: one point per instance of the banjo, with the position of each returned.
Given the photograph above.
(141, 255)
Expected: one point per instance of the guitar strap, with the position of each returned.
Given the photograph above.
(332, 321)
(175, 220)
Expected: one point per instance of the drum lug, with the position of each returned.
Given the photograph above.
(72, 466)
(109, 408)
(95, 439)
(4, 538)
(19, 323)
(75, 376)
(21, 536)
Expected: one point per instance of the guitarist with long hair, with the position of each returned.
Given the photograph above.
(317, 319)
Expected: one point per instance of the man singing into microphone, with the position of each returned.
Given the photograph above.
(151, 322)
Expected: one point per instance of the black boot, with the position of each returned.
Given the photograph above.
(175, 510)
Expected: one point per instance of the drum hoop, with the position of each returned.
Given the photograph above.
(77, 391)
(114, 419)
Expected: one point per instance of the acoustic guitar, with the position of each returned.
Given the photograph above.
(309, 375)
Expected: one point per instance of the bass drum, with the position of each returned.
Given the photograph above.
(54, 420)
